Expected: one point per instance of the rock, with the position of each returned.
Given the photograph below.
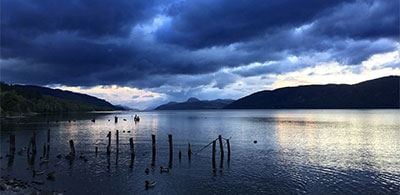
(164, 169)
(50, 176)
(149, 184)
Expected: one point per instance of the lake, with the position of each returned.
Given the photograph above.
(297, 151)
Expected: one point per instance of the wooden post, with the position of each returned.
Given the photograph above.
(29, 147)
(180, 155)
(229, 150)
(117, 140)
(213, 155)
(115, 119)
(12, 144)
(189, 151)
(72, 147)
(12, 151)
(153, 146)
(132, 151)
(48, 136)
(132, 147)
(109, 143)
(44, 150)
(221, 148)
(96, 150)
(34, 143)
(170, 148)
(48, 144)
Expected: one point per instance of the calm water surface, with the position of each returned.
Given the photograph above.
(297, 151)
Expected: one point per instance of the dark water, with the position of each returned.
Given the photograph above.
(297, 151)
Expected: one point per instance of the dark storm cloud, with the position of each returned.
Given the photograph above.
(207, 23)
(89, 18)
(87, 43)
(363, 19)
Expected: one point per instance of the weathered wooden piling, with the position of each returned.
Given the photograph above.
(44, 150)
(221, 148)
(180, 155)
(12, 144)
(171, 150)
(117, 139)
(189, 151)
(48, 144)
(48, 135)
(132, 147)
(33, 142)
(116, 157)
(229, 149)
(109, 143)
(11, 151)
(115, 119)
(213, 155)
(96, 150)
(153, 146)
(72, 147)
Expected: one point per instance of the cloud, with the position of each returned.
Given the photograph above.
(179, 49)
(198, 24)
(132, 97)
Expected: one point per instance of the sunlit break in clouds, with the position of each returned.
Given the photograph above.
(143, 53)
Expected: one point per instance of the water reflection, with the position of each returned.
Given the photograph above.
(340, 151)
(340, 140)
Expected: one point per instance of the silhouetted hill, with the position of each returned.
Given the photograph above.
(378, 93)
(29, 98)
(195, 104)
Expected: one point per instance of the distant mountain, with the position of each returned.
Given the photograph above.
(122, 107)
(378, 93)
(195, 104)
(29, 98)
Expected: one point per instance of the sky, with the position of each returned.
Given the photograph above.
(144, 53)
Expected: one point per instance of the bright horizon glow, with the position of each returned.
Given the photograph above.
(325, 73)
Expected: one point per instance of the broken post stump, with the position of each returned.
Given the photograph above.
(117, 139)
(44, 150)
(109, 143)
(180, 155)
(170, 148)
(132, 147)
(12, 144)
(115, 119)
(189, 151)
(48, 144)
(48, 136)
(229, 149)
(72, 147)
(96, 150)
(213, 155)
(221, 148)
(33, 142)
(153, 146)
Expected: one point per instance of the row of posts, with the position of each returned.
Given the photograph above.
(31, 149)
(46, 148)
